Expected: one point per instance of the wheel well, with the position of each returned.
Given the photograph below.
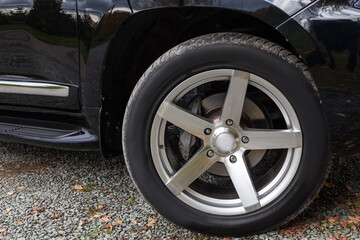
(146, 36)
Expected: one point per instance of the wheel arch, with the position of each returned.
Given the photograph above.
(148, 34)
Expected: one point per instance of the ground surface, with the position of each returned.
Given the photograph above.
(48, 193)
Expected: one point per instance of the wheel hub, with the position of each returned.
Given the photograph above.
(225, 141)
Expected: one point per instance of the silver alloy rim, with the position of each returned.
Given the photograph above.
(231, 154)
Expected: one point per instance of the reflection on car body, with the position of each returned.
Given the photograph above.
(222, 109)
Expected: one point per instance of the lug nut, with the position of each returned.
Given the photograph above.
(210, 153)
(233, 159)
(245, 139)
(207, 131)
(229, 122)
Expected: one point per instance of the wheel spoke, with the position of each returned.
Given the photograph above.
(184, 119)
(188, 173)
(235, 96)
(272, 139)
(242, 182)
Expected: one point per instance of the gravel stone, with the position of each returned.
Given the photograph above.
(37, 189)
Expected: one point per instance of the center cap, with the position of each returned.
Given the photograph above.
(225, 142)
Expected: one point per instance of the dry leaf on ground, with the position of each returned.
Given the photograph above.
(355, 219)
(53, 218)
(2, 230)
(58, 235)
(328, 185)
(108, 227)
(34, 212)
(19, 223)
(78, 187)
(151, 222)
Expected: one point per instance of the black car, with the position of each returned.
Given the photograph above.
(223, 109)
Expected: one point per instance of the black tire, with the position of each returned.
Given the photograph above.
(227, 51)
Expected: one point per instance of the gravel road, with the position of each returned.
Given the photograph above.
(47, 193)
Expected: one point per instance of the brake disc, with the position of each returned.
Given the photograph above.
(252, 117)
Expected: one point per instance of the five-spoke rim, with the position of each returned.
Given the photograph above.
(226, 141)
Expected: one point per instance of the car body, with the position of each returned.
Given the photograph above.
(68, 68)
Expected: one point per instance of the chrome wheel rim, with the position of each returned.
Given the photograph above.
(226, 143)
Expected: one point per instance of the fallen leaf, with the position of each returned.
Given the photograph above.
(151, 222)
(8, 209)
(345, 223)
(355, 219)
(2, 230)
(105, 219)
(355, 155)
(78, 187)
(337, 218)
(18, 187)
(100, 206)
(353, 227)
(331, 220)
(328, 185)
(134, 222)
(108, 227)
(53, 218)
(338, 237)
(10, 193)
(11, 177)
(19, 223)
(34, 212)
(53, 211)
(97, 216)
(119, 222)
(90, 219)
(58, 235)
(81, 223)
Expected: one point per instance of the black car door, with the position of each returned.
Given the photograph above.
(39, 54)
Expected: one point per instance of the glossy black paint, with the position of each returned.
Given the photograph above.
(38, 40)
(102, 47)
(327, 37)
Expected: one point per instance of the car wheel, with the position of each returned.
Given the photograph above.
(225, 134)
